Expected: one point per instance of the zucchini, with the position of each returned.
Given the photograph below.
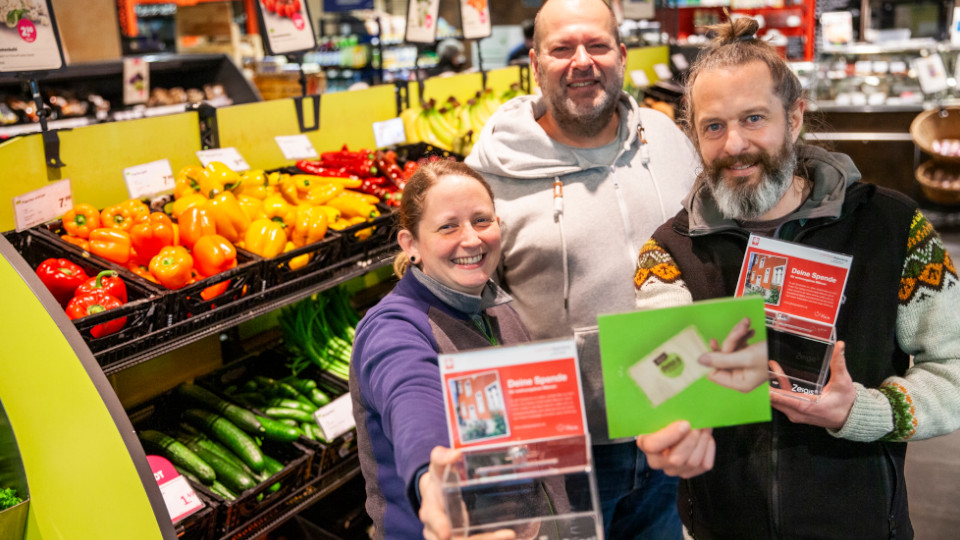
(278, 431)
(285, 412)
(228, 473)
(178, 454)
(242, 418)
(230, 435)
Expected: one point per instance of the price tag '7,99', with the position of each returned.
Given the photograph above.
(42, 205)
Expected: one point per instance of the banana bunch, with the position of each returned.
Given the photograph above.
(453, 125)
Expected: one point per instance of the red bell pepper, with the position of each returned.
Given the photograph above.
(107, 281)
(93, 303)
(61, 277)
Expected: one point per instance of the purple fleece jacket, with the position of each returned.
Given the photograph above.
(397, 395)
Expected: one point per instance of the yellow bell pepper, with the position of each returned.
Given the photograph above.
(187, 181)
(253, 184)
(289, 191)
(230, 219)
(305, 181)
(332, 213)
(266, 238)
(217, 178)
(299, 261)
(275, 207)
(273, 179)
(252, 206)
(353, 207)
(321, 193)
(185, 203)
(310, 227)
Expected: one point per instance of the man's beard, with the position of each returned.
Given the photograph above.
(742, 200)
(586, 121)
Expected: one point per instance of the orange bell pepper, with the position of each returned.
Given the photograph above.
(111, 244)
(187, 181)
(172, 266)
(321, 193)
(118, 216)
(195, 222)
(310, 227)
(229, 217)
(83, 243)
(214, 254)
(252, 207)
(140, 210)
(152, 234)
(185, 202)
(214, 291)
(142, 270)
(266, 238)
(275, 207)
(81, 219)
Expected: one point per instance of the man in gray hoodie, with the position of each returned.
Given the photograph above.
(582, 176)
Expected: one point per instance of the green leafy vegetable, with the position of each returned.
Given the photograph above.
(8, 498)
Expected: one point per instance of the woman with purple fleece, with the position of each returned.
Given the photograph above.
(444, 302)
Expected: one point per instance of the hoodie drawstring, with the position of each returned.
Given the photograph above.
(645, 160)
(558, 217)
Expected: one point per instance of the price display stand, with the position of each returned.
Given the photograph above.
(516, 414)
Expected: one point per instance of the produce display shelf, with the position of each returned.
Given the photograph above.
(297, 501)
(206, 324)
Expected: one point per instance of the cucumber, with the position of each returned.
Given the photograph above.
(318, 397)
(228, 473)
(291, 404)
(230, 435)
(285, 412)
(178, 454)
(242, 418)
(272, 467)
(278, 431)
(307, 429)
(223, 491)
(302, 385)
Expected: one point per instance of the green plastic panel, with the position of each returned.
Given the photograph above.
(645, 58)
(83, 482)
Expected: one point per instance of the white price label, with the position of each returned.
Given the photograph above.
(680, 61)
(296, 146)
(148, 179)
(336, 417)
(639, 78)
(42, 205)
(180, 498)
(663, 71)
(389, 132)
(228, 156)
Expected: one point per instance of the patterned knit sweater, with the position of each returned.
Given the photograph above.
(925, 401)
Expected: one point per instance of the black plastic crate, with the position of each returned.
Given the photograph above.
(322, 254)
(422, 150)
(272, 364)
(245, 282)
(363, 238)
(163, 413)
(146, 307)
(200, 525)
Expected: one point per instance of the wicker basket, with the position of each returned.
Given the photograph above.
(940, 182)
(933, 125)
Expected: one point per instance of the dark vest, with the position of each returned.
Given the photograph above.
(784, 480)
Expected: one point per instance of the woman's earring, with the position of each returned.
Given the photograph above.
(413, 259)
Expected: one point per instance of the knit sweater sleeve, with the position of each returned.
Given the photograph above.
(658, 280)
(925, 402)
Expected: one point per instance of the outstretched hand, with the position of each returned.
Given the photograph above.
(737, 365)
(433, 515)
(836, 401)
(678, 450)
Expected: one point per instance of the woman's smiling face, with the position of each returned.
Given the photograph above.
(458, 239)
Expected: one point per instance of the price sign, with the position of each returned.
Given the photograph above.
(296, 146)
(181, 500)
(42, 205)
(228, 156)
(148, 179)
(336, 417)
(680, 61)
(639, 78)
(663, 71)
(389, 132)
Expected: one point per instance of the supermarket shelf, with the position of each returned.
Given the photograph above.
(207, 324)
(297, 501)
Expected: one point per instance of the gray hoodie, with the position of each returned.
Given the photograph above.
(567, 259)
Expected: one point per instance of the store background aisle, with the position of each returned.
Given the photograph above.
(933, 466)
